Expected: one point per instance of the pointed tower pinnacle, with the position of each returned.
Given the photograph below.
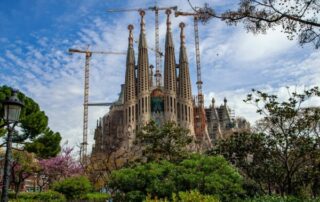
(170, 80)
(185, 104)
(168, 12)
(143, 83)
(142, 39)
(184, 76)
(182, 36)
(130, 28)
(130, 82)
(129, 93)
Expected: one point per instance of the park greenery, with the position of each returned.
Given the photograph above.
(277, 160)
(282, 154)
(33, 133)
(209, 175)
(168, 142)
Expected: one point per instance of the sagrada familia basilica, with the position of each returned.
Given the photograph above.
(141, 101)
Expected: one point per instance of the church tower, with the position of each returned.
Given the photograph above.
(143, 83)
(185, 104)
(170, 81)
(129, 107)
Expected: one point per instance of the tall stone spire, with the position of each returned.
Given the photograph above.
(185, 105)
(130, 90)
(170, 80)
(130, 100)
(143, 76)
(184, 76)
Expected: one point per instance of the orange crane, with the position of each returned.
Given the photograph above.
(88, 54)
(157, 50)
(200, 116)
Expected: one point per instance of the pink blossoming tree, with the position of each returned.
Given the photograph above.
(57, 168)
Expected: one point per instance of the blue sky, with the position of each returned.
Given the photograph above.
(35, 36)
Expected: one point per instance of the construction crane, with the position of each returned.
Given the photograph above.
(200, 116)
(196, 17)
(88, 54)
(157, 50)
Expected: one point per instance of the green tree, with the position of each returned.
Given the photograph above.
(32, 122)
(23, 166)
(163, 142)
(33, 128)
(248, 152)
(73, 187)
(46, 145)
(298, 19)
(209, 175)
(190, 196)
(284, 156)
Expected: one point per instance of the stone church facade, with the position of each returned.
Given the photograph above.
(141, 101)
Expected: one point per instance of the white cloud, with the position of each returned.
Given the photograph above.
(247, 47)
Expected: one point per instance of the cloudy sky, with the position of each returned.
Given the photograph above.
(35, 36)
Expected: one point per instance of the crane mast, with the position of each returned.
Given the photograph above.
(199, 81)
(88, 54)
(199, 111)
(84, 144)
(196, 17)
(158, 59)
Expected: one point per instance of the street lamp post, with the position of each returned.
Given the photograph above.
(12, 108)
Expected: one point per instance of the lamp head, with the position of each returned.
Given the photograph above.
(12, 108)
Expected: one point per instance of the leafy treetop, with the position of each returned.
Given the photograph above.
(163, 142)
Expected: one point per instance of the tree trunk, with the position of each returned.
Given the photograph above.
(16, 189)
(289, 185)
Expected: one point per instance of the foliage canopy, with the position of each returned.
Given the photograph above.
(209, 175)
(283, 155)
(167, 142)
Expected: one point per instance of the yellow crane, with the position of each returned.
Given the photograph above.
(88, 55)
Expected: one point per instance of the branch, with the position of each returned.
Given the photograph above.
(238, 15)
(18, 149)
(1, 145)
(306, 8)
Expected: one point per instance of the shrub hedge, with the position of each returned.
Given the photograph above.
(51, 196)
(73, 187)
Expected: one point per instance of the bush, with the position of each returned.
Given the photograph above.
(132, 196)
(73, 187)
(251, 188)
(40, 196)
(275, 198)
(96, 197)
(192, 196)
(209, 175)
